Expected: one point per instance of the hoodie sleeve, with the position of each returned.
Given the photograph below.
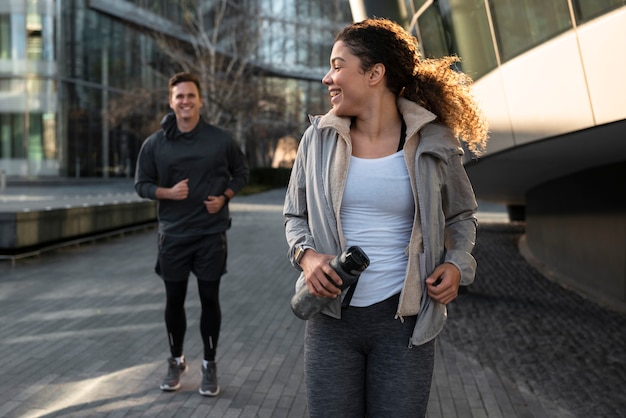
(146, 173)
(238, 168)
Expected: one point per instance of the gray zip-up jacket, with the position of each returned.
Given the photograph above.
(444, 228)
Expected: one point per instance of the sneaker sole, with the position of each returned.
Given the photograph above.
(208, 393)
(167, 388)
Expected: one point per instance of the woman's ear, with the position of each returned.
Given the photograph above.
(377, 74)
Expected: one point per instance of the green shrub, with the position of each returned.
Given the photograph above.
(266, 178)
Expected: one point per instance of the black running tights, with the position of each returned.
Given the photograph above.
(176, 320)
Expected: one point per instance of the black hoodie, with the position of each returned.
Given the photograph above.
(208, 157)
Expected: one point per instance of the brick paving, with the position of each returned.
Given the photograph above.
(82, 334)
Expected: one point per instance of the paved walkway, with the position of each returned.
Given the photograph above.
(82, 334)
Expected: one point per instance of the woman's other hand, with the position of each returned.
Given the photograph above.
(443, 283)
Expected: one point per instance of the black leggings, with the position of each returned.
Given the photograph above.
(362, 366)
(176, 320)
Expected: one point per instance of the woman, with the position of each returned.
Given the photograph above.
(383, 170)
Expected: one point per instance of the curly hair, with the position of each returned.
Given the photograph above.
(432, 83)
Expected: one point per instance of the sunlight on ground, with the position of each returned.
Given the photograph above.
(81, 333)
(95, 391)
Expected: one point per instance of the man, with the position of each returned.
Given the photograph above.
(192, 169)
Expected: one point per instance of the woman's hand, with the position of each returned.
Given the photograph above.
(316, 267)
(443, 283)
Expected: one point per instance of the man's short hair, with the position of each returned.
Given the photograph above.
(182, 78)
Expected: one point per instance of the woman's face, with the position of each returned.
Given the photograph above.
(347, 83)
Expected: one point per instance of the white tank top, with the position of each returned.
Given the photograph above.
(377, 215)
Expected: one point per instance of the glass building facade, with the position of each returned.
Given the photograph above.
(64, 64)
(27, 87)
(486, 34)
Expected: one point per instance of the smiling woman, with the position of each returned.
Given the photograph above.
(383, 171)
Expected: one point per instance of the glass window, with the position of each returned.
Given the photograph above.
(5, 37)
(12, 136)
(84, 129)
(5, 136)
(40, 143)
(35, 148)
(523, 24)
(47, 37)
(18, 36)
(459, 27)
(586, 10)
(471, 36)
(34, 45)
(17, 128)
(433, 37)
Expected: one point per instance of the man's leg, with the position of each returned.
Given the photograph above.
(173, 266)
(175, 318)
(209, 266)
(210, 318)
(176, 325)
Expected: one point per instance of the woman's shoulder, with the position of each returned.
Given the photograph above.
(331, 125)
(437, 138)
(326, 126)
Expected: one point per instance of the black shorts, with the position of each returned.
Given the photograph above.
(203, 255)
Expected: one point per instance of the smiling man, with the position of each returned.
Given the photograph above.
(192, 169)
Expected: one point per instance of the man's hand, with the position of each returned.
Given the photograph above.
(213, 204)
(180, 191)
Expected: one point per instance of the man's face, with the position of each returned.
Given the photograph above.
(185, 101)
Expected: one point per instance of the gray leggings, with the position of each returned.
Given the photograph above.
(361, 365)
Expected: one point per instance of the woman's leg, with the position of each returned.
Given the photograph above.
(334, 368)
(399, 377)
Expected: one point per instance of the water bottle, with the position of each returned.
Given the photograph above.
(349, 265)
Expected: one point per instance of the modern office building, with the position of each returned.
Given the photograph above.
(550, 76)
(66, 64)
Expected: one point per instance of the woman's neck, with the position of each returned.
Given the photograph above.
(378, 134)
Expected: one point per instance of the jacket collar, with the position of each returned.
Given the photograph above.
(414, 115)
(432, 138)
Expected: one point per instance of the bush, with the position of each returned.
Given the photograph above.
(266, 178)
